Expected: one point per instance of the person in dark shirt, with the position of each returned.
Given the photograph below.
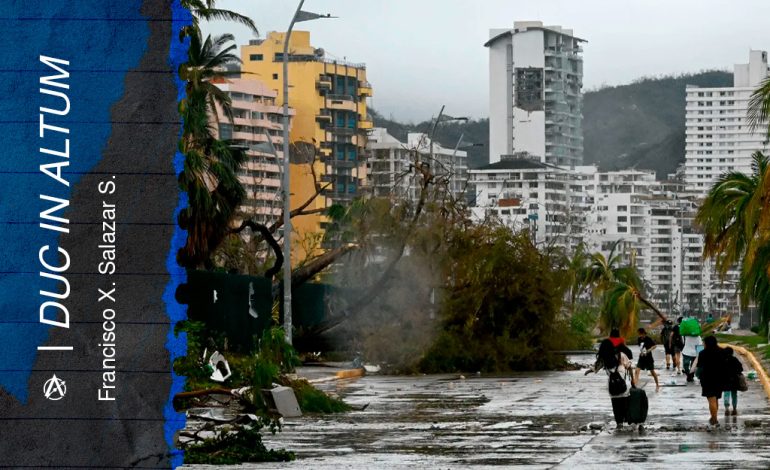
(646, 361)
(711, 364)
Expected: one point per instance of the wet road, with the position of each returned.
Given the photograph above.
(526, 420)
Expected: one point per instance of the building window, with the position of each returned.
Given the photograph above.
(275, 76)
(622, 208)
(255, 57)
(225, 132)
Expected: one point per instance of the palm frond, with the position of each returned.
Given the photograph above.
(759, 108)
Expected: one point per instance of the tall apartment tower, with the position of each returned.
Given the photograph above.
(257, 120)
(535, 93)
(718, 137)
(329, 97)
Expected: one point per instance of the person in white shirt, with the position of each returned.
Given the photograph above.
(692, 346)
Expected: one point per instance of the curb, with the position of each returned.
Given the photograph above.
(343, 374)
(761, 372)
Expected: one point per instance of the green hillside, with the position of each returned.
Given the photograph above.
(640, 124)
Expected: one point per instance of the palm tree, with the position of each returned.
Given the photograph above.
(210, 179)
(210, 170)
(622, 303)
(620, 289)
(577, 271)
(732, 214)
(601, 271)
(206, 10)
(759, 107)
(735, 221)
(207, 62)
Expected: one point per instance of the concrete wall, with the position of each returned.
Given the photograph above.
(500, 98)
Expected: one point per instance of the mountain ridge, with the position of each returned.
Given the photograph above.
(640, 124)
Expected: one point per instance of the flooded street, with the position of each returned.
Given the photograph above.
(526, 420)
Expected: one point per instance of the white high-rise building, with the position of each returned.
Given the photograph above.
(524, 193)
(650, 221)
(718, 137)
(391, 165)
(535, 93)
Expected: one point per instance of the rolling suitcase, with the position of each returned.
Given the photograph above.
(637, 407)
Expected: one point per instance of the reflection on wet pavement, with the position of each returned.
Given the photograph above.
(526, 420)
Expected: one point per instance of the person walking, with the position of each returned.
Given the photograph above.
(692, 346)
(711, 367)
(617, 365)
(676, 344)
(733, 371)
(646, 361)
(665, 340)
(615, 358)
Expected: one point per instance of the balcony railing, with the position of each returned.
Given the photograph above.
(324, 83)
(340, 97)
(341, 130)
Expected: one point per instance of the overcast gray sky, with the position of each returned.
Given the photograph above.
(421, 54)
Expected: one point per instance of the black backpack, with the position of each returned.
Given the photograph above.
(617, 383)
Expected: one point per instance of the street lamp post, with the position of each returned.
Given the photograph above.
(454, 155)
(299, 15)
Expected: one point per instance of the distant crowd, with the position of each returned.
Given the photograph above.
(720, 373)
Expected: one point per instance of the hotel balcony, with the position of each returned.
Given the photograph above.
(365, 124)
(324, 83)
(365, 89)
(341, 102)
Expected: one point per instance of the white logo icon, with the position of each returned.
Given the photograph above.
(55, 388)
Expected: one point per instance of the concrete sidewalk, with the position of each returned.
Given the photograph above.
(526, 420)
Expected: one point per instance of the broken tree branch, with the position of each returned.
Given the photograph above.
(268, 237)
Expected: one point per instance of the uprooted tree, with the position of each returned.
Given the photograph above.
(421, 285)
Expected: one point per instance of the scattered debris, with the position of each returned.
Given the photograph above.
(283, 400)
(219, 364)
(221, 415)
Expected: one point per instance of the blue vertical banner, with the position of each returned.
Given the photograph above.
(88, 204)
